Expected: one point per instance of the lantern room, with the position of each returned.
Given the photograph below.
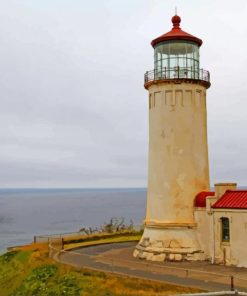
(176, 56)
(173, 56)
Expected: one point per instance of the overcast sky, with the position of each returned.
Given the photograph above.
(73, 110)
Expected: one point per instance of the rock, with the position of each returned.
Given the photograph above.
(179, 250)
(178, 257)
(140, 248)
(196, 257)
(174, 244)
(159, 258)
(145, 242)
(143, 255)
(140, 255)
(157, 244)
(166, 243)
(155, 250)
(150, 257)
(171, 257)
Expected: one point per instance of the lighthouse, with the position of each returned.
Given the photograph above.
(178, 151)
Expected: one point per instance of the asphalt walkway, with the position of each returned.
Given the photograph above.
(118, 258)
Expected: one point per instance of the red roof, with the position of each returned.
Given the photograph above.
(232, 200)
(200, 199)
(176, 34)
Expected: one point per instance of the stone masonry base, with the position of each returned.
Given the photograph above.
(161, 245)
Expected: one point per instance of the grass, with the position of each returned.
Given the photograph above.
(30, 272)
(23, 256)
(104, 240)
(93, 237)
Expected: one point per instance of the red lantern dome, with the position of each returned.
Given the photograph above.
(176, 34)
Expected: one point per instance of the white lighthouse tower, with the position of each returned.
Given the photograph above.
(178, 151)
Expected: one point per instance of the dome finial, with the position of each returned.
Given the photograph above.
(176, 10)
(176, 21)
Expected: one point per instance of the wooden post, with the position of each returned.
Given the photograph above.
(232, 283)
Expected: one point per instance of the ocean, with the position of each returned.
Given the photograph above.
(28, 212)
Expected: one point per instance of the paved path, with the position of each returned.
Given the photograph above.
(118, 258)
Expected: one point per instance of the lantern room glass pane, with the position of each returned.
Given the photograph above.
(177, 59)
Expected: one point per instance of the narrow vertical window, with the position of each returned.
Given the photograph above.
(225, 229)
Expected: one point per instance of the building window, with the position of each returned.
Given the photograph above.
(225, 229)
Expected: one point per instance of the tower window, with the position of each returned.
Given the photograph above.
(225, 229)
(150, 101)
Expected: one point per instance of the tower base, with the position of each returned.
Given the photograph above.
(169, 244)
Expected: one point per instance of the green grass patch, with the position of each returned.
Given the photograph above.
(45, 281)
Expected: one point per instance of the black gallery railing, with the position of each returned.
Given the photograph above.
(177, 73)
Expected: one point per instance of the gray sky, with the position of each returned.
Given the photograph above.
(73, 108)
